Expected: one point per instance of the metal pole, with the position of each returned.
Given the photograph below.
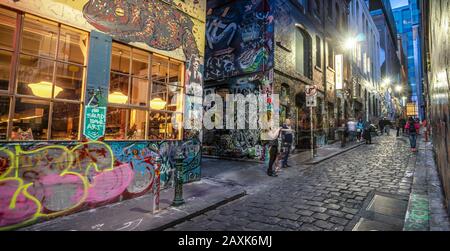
(156, 185)
(312, 133)
(178, 198)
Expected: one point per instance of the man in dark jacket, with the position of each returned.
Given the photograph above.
(287, 141)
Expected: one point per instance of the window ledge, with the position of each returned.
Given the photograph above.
(318, 68)
(330, 69)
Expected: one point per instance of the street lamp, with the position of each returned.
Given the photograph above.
(350, 43)
(398, 88)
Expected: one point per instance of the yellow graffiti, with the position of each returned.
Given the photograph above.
(70, 159)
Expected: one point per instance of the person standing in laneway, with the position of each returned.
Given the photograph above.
(381, 125)
(360, 129)
(351, 125)
(398, 124)
(287, 136)
(413, 127)
(270, 137)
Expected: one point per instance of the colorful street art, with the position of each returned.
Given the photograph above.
(239, 38)
(41, 181)
(238, 143)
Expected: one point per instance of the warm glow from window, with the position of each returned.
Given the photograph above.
(158, 104)
(44, 89)
(117, 98)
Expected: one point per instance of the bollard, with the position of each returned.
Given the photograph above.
(178, 198)
(156, 185)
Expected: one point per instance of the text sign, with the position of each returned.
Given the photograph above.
(94, 122)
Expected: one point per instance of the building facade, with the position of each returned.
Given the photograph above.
(278, 47)
(94, 96)
(409, 28)
(366, 70)
(390, 63)
(436, 45)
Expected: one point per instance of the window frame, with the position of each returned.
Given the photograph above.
(12, 92)
(150, 81)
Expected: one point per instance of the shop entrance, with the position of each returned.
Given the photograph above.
(303, 123)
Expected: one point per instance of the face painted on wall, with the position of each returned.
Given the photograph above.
(112, 16)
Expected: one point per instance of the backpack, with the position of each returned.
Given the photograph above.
(412, 128)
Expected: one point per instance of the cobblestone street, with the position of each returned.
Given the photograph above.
(327, 196)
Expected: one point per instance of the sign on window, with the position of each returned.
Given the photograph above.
(94, 122)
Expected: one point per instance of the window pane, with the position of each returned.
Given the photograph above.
(120, 59)
(39, 37)
(136, 127)
(118, 89)
(159, 68)
(72, 45)
(139, 91)
(175, 98)
(7, 27)
(174, 126)
(115, 123)
(65, 121)
(175, 72)
(35, 76)
(157, 125)
(140, 63)
(69, 80)
(158, 99)
(30, 120)
(5, 67)
(4, 111)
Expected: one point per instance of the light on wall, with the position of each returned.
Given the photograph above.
(158, 104)
(43, 89)
(117, 98)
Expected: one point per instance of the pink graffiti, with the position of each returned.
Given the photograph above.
(23, 209)
(109, 185)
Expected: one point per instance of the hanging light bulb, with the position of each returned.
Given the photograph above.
(117, 98)
(43, 89)
(158, 104)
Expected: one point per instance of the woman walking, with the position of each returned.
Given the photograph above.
(413, 127)
(360, 129)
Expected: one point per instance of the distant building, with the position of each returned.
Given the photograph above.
(408, 23)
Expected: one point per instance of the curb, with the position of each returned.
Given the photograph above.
(199, 212)
(334, 155)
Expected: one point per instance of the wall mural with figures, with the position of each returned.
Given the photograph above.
(239, 39)
(40, 181)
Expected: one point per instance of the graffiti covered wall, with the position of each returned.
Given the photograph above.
(40, 181)
(239, 50)
(239, 39)
(237, 143)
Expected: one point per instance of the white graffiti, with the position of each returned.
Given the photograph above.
(215, 37)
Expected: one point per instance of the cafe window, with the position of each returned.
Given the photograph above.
(145, 96)
(41, 78)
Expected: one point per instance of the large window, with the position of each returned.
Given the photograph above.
(41, 78)
(303, 53)
(145, 96)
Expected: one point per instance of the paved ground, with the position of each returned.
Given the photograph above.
(327, 196)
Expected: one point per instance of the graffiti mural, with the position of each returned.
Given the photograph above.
(42, 181)
(237, 143)
(239, 39)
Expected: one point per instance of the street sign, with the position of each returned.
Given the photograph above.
(311, 96)
(94, 122)
(311, 90)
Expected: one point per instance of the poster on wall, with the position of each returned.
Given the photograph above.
(94, 122)
(339, 67)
